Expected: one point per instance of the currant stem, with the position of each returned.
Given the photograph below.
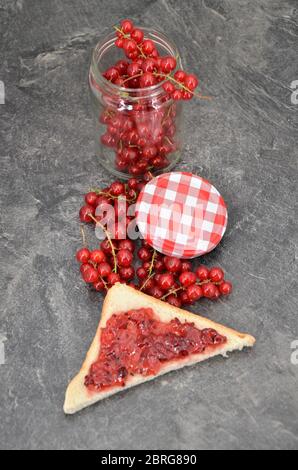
(83, 236)
(172, 292)
(109, 240)
(146, 282)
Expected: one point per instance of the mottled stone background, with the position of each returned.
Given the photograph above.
(245, 142)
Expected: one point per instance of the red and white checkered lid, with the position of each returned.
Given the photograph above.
(181, 215)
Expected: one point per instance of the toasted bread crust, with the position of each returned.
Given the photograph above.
(122, 298)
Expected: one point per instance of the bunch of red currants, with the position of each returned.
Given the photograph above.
(163, 277)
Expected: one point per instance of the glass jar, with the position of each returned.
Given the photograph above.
(136, 130)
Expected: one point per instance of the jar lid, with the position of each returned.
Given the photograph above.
(181, 215)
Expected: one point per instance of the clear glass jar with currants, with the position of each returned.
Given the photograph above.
(137, 87)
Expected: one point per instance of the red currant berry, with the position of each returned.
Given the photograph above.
(97, 256)
(126, 245)
(137, 35)
(121, 66)
(194, 292)
(191, 82)
(85, 212)
(126, 26)
(156, 292)
(83, 255)
(144, 254)
(166, 281)
(180, 76)
(168, 64)
(119, 42)
(174, 301)
(169, 87)
(99, 286)
(147, 80)
(113, 278)
(185, 266)
(106, 247)
(216, 275)
(187, 278)
(127, 273)
(142, 273)
(177, 95)
(133, 69)
(111, 74)
(209, 290)
(133, 183)
(124, 258)
(148, 65)
(148, 46)
(226, 288)
(173, 265)
(217, 293)
(84, 267)
(159, 266)
(91, 199)
(185, 300)
(117, 189)
(202, 273)
(104, 269)
(90, 275)
(129, 47)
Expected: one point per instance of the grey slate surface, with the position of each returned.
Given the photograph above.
(245, 142)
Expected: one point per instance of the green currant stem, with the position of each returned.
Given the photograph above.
(130, 78)
(83, 236)
(146, 282)
(172, 292)
(109, 240)
(104, 283)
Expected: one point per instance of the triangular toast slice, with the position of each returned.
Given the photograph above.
(121, 299)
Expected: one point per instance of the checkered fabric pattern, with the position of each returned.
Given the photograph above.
(181, 215)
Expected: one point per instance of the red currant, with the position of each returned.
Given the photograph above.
(173, 265)
(127, 245)
(194, 292)
(216, 275)
(91, 199)
(202, 273)
(104, 269)
(148, 46)
(187, 278)
(144, 254)
(226, 288)
(90, 275)
(124, 258)
(97, 256)
(174, 301)
(209, 290)
(127, 273)
(166, 281)
(99, 286)
(126, 26)
(168, 64)
(117, 189)
(113, 278)
(137, 35)
(85, 212)
(83, 255)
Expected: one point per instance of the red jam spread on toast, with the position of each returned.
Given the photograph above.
(137, 342)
